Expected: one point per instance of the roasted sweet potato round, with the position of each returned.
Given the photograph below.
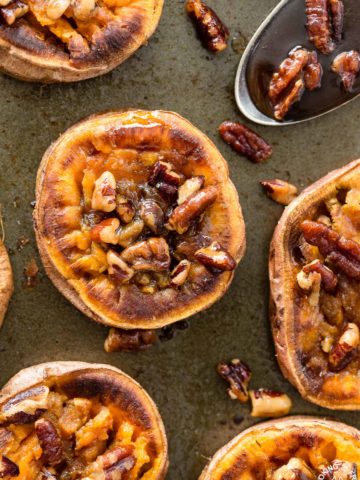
(79, 420)
(137, 221)
(315, 294)
(304, 448)
(71, 40)
(6, 281)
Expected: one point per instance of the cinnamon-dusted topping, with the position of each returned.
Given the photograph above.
(104, 195)
(212, 31)
(191, 209)
(214, 256)
(295, 469)
(299, 71)
(50, 441)
(238, 374)
(280, 191)
(347, 66)
(342, 353)
(268, 403)
(245, 141)
(129, 340)
(325, 23)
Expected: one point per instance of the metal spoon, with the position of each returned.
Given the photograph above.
(283, 30)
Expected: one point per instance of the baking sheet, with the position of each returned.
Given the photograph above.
(173, 72)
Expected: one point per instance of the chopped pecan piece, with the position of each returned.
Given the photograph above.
(106, 231)
(8, 468)
(295, 469)
(310, 281)
(118, 270)
(328, 278)
(31, 271)
(151, 255)
(180, 273)
(127, 234)
(5, 439)
(14, 11)
(280, 191)
(104, 194)
(152, 215)
(213, 32)
(245, 141)
(238, 374)
(343, 351)
(25, 407)
(188, 212)
(344, 254)
(96, 428)
(75, 414)
(268, 403)
(347, 66)
(50, 442)
(112, 465)
(165, 180)
(325, 23)
(125, 209)
(189, 187)
(129, 340)
(299, 71)
(214, 256)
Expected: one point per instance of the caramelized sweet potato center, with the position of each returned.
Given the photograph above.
(44, 433)
(328, 294)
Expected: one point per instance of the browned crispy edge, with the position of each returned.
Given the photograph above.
(6, 281)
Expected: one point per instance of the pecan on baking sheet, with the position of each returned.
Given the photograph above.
(325, 20)
(213, 33)
(347, 66)
(245, 141)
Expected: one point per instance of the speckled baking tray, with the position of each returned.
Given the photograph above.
(173, 72)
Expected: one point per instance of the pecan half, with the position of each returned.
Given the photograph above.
(213, 33)
(118, 270)
(104, 194)
(214, 256)
(165, 180)
(324, 23)
(329, 280)
(189, 187)
(185, 214)
(245, 141)
(299, 71)
(129, 340)
(14, 11)
(344, 254)
(50, 442)
(347, 66)
(238, 375)
(280, 191)
(106, 231)
(343, 351)
(151, 255)
(8, 468)
(268, 403)
(180, 273)
(152, 215)
(295, 469)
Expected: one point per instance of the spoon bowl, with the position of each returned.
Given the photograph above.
(283, 30)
